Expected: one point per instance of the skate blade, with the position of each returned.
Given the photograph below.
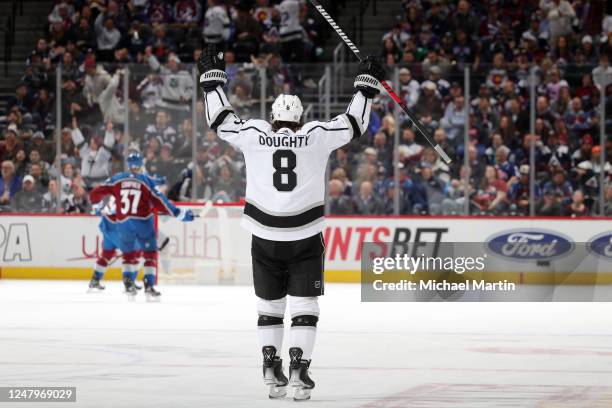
(301, 394)
(94, 290)
(277, 392)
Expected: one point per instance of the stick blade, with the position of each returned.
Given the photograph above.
(442, 154)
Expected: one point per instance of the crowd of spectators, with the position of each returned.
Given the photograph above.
(567, 44)
(95, 42)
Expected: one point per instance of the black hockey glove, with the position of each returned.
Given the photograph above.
(371, 72)
(212, 68)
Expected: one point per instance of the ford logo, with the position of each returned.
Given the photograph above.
(530, 245)
(602, 246)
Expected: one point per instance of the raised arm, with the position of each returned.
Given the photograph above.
(219, 113)
(354, 122)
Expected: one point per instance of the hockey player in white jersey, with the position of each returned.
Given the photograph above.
(286, 162)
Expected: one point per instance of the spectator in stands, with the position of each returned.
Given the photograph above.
(427, 192)
(454, 118)
(66, 178)
(365, 203)
(247, 32)
(77, 201)
(492, 192)
(588, 172)
(186, 136)
(20, 163)
(40, 53)
(429, 106)
(29, 199)
(176, 84)
(159, 12)
(242, 102)
(464, 19)
(578, 208)
(347, 184)
(559, 14)
(36, 158)
(549, 206)
(95, 82)
(216, 24)
(339, 203)
(196, 179)
(561, 187)
(409, 87)
(108, 37)
(95, 154)
(21, 99)
(412, 151)
(11, 145)
(10, 184)
(225, 180)
(49, 199)
(84, 35)
(111, 101)
(603, 72)
(162, 130)
(41, 178)
(187, 13)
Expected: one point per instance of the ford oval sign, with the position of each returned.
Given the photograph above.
(602, 246)
(530, 245)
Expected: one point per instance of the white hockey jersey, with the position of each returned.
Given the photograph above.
(216, 25)
(285, 190)
(290, 27)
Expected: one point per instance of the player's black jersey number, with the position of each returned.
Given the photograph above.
(284, 162)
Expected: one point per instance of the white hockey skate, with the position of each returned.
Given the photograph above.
(299, 377)
(273, 374)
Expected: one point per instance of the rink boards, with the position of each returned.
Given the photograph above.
(215, 249)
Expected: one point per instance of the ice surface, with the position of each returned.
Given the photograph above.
(198, 348)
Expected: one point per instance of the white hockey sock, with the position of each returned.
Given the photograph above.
(304, 338)
(271, 336)
(304, 317)
(270, 327)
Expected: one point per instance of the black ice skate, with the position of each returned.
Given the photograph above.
(130, 288)
(95, 285)
(299, 376)
(151, 293)
(273, 373)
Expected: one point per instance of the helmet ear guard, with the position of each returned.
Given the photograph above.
(287, 108)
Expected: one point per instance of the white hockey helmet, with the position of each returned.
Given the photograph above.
(287, 108)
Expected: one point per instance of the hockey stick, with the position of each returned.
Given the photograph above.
(417, 123)
(161, 247)
(204, 210)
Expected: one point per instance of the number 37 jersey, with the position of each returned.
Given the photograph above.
(285, 188)
(136, 197)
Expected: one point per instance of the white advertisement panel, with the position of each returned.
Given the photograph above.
(215, 247)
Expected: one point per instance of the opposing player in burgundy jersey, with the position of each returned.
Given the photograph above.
(285, 163)
(137, 198)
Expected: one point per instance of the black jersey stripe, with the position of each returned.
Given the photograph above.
(253, 127)
(291, 221)
(326, 129)
(220, 118)
(354, 125)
